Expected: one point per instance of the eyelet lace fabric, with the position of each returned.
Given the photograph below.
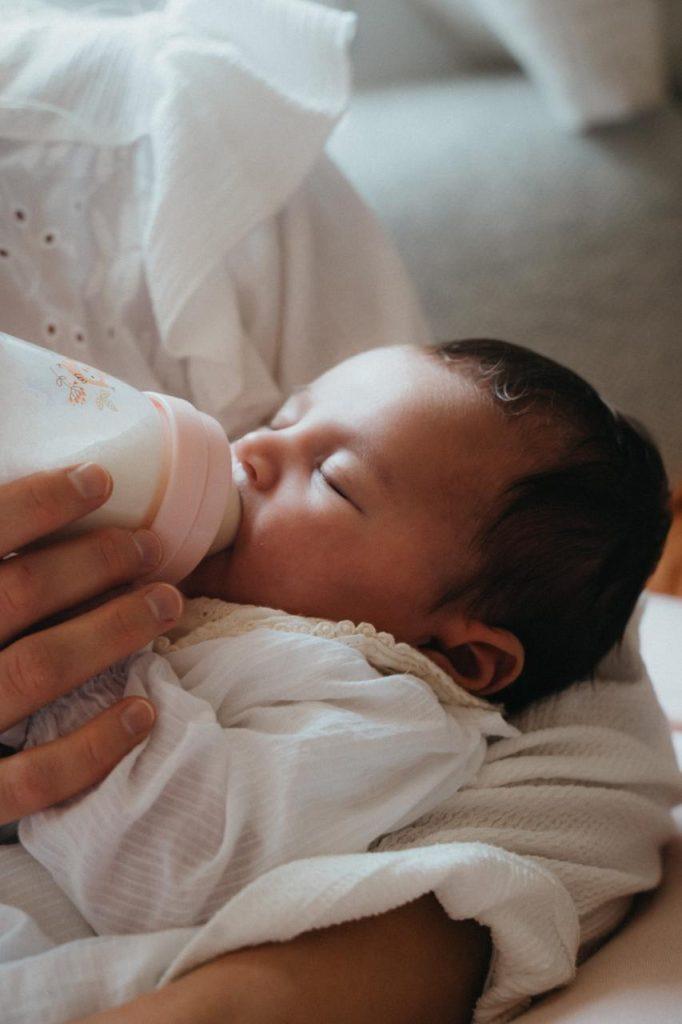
(72, 275)
(136, 154)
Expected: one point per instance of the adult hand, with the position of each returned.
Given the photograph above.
(39, 664)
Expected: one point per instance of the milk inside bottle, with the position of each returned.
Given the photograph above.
(170, 463)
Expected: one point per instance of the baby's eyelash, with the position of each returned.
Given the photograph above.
(332, 486)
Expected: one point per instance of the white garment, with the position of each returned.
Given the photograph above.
(569, 822)
(278, 738)
(179, 251)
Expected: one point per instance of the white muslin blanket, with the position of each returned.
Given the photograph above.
(278, 737)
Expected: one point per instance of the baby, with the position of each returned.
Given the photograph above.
(425, 532)
(505, 519)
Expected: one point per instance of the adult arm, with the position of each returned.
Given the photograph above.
(412, 965)
(37, 664)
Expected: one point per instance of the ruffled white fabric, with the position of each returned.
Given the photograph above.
(153, 221)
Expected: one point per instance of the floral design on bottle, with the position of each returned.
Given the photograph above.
(80, 377)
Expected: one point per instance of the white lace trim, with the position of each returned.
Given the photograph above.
(206, 618)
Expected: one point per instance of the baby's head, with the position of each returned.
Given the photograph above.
(474, 499)
(567, 546)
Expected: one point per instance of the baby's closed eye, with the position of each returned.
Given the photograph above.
(330, 483)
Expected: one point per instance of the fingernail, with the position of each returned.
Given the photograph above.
(149, 546)
(165, 602)
(137, 717)
(90, 480)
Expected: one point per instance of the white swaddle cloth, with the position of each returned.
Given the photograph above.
(278, 737)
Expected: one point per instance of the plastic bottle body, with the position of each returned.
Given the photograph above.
(57, 412)
(170, 463)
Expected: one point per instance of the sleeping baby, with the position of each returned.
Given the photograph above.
(427, 534)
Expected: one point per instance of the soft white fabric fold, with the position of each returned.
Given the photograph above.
(528, 909)
(233, 103)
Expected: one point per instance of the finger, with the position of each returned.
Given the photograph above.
(46, 775)
(40, 503)
(43, 666)
(41, 583)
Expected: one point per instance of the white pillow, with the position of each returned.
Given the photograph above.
(596, 60)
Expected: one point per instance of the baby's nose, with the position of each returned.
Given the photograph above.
(260, 464)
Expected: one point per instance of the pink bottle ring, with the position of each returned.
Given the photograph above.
(198, 482)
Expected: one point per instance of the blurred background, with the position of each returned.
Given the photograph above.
(526, 156)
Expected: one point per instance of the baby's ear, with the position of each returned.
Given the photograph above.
(482, 659)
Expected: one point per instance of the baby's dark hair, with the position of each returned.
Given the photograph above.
(566, 552)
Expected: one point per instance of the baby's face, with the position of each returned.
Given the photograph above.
(361, 498)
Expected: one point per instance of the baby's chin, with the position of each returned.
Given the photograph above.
(209, 579)
(225, 577)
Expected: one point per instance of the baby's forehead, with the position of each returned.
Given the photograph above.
(418, 408)
(461, 442)
(479, 449)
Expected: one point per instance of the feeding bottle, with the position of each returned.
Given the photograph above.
(170, 464)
